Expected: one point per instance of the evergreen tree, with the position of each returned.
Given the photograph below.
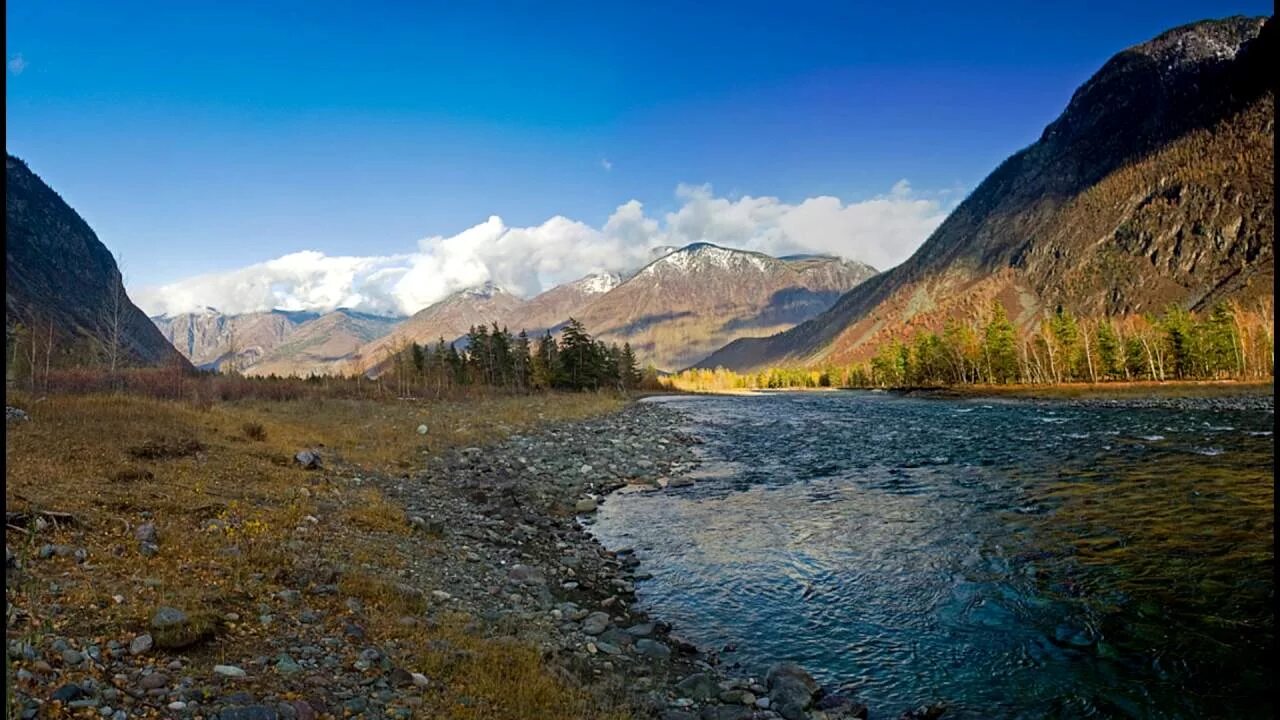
(628, 369)
(521, 362)
(1179, 341)
(579, 358)
(1110, 356)
(500, 358)
(1066, 338)
(1222, 346)
(419, 358)
(545, 365)
(457, 365)
(999, 346)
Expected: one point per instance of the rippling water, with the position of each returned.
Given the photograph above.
(1011, 559)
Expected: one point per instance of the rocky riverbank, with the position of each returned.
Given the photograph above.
(491, 539)
(518, 513)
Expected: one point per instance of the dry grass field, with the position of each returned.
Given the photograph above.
(233, 514)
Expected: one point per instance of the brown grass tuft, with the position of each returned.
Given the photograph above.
(254, 431)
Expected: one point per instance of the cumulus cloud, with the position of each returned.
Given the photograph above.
(17, 64)
(882, 231)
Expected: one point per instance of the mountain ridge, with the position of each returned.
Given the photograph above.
(1113, 210)
(59, 272)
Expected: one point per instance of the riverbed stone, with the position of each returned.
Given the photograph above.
(141, 644)
(725, 712)
(249, 712)
(791, 690)
(595, 623)
(653, 648)
(699, 686)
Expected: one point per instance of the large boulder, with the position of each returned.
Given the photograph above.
(172, 628)
(791, 690)
(308, 459)
(698, 686)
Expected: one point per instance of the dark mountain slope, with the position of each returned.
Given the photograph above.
(1153, 187)
(57, 270)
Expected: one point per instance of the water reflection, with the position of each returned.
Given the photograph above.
(1012, 559)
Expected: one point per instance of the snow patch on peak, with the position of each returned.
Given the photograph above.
(598, 283)
(700, 256)
(487, 289)
(661, 251)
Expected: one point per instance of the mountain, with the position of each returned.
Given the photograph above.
(57, 271)
(317, 345)
(449, 318)
(693, 300)
(551, 308)
(1153, 187)
(207, 338)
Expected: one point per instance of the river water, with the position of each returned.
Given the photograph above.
(1020, 559)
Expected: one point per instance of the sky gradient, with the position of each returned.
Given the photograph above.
(200, 137)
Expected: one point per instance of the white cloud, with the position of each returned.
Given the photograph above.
(882, 231)
(17, 64)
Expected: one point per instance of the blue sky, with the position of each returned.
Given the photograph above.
(198, 136)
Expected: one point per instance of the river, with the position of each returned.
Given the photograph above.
(1021, 559)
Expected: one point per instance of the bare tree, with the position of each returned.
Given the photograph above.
(1088, 353)
(14, 335)
(48, 354)
(1266, 318)
(232, 362)
(34, 352)
(117, 302)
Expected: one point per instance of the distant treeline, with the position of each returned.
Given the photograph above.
(494, 358)
(493, 361)
(1228, 342)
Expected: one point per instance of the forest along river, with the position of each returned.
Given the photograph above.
(1009, 558)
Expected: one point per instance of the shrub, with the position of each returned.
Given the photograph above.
(254, 431)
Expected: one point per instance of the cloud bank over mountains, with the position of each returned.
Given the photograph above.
(882, 231)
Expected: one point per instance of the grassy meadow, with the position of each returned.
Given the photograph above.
(234, 514)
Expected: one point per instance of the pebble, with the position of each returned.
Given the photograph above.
(230, 671)
(68, 693)
(140, 644)
(286, 665)
(248, 712)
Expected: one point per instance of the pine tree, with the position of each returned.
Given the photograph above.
(579, 361)
(1066, 339)
(1109, 349)
(545, 364)
(521, 362)
(628, 368)
(999, 346)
